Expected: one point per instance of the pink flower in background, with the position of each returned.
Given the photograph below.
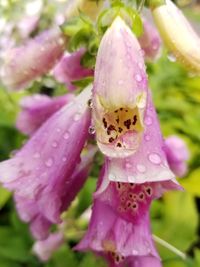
(69, 69)
(36, 57)
(150, 41)
(119, 228)
(36, 109)
(40, 172)
(27, 25)
(120, 91)
(45, 248)
(177, 154)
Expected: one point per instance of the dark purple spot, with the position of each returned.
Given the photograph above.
(117, 120)
(127, 123)
(111, 128)
(111, 139)
(134, 119)
(105, 123)
(120, 129)
(119, 145)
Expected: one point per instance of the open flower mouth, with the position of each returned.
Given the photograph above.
(120, 131)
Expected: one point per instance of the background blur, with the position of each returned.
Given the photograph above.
(175, 217)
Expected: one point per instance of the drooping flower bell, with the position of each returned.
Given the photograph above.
(178, 35)
(150, 41)
(36, 109)
(120, 91)
(69, 69)
(45, 248)
(36, 57)
(38, 172)
(119, 228)
(177, 155)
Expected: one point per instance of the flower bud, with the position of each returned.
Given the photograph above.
(178, 35)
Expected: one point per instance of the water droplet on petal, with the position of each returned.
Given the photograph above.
(66, 135)
(91, 130)
(135, 252)
(128, 165)
(58, 130)
(54, 144)
(64, 159)
(138, 77)
(36, 155)
(148, 121)
(49, 162)
(90, 104)
(120, 82)
(147, 137)
(155, 158)
(77, 117)
(171, 57)
(141, 168)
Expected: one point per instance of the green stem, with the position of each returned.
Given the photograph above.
(170, 247)
(141, 5)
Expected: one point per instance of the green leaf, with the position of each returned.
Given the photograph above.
(4, 196)
(192, 183)
(178, 223)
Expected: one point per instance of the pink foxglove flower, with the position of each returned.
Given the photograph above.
(36, 57)
(27, 25)
(177, 154)
(150, 41)
(36, 109)
(120, 91)
(149, 163)
(177, 33)
(45, 248)
(119, 228)
(69, 69)
(40, 170)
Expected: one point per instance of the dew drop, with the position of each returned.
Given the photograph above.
(155, 158)
(49, 162)
(147, 137)
(64, 159)
(77, 117)
(141, 168)
(135, 252)
(128, 165)
(66, 135)
(54, 144)
(58, 130)
(171, 57)
(148, 121)
(91, 130)
(36, 155)
(138, 77)
(120, 82)
(90, 104)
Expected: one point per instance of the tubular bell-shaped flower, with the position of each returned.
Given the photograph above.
(69, 69)
(45, 248)
(37, 109)
(25, 63)
(39, 171)
(119, 228)
(120, 91)
(177, 154)
(150, 41)
(178, 34)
